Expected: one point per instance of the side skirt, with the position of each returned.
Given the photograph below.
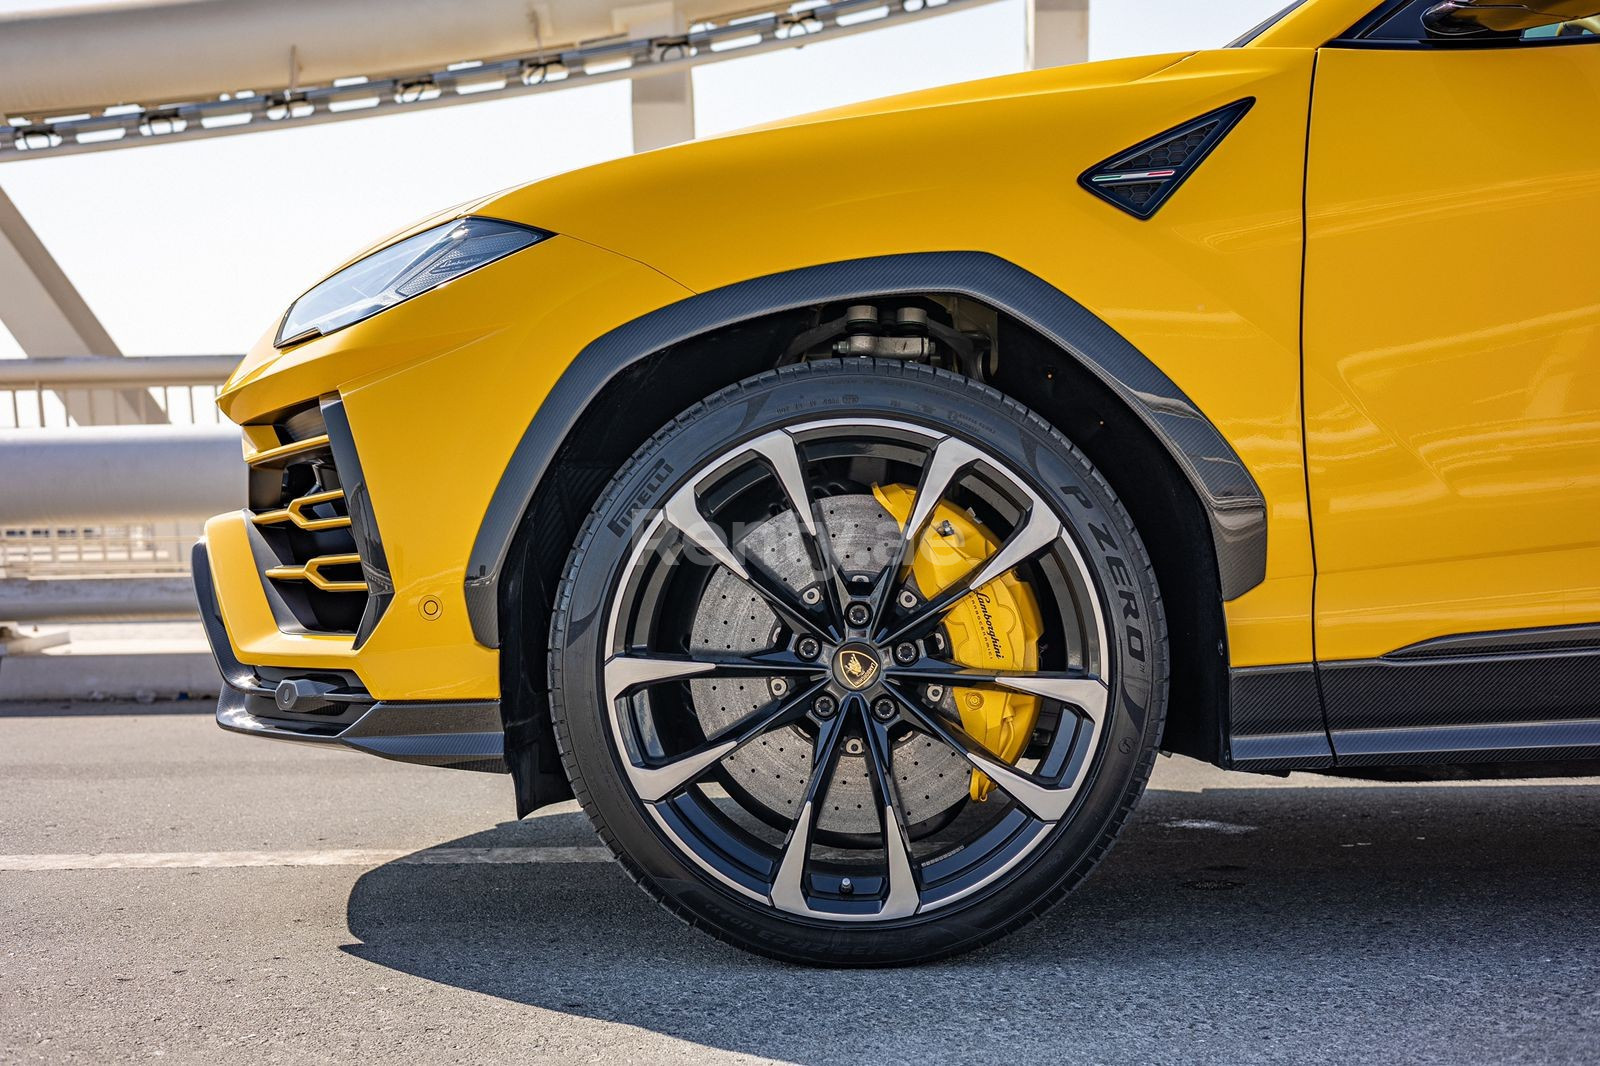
(1520, 696)
(1525, 696)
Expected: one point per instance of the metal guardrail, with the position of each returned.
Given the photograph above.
(92, 474)
(98, 522)
(36, 393)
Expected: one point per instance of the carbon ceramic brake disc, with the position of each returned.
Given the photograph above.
(773, 771)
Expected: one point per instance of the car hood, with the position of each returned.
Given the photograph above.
(1076, 77)
(846, 156)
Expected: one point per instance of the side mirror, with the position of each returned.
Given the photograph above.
(1484, 18)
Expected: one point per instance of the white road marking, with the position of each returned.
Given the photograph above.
(200, 860)
(1207, 824)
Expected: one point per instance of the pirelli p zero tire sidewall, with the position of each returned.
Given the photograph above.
(1104, 534)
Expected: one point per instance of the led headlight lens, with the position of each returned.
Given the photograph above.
(405, 269)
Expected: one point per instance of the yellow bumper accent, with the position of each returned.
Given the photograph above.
(312, 572)
(295, 513)
(284, 451)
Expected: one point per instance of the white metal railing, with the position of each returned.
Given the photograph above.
(178, 389)
(136, 549)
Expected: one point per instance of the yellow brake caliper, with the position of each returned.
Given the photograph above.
(996, 627)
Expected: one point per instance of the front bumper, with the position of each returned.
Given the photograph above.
(435, 394)
(331, 707)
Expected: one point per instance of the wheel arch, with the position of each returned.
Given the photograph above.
(1205, 515)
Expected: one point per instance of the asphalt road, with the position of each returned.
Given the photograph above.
(1239, 920)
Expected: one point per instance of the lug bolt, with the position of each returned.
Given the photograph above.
(825, 706)
(808, 648)
(935, 693)
(905, 653)
(811, 596)
(778, 686)
(883, 708)
(858, 614)
(907, 599)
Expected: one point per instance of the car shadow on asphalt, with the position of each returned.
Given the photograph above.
(1337, 920)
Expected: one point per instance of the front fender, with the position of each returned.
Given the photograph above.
(1233, 503)
(1208, 289)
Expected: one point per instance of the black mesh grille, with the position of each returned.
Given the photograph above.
(1142, 178)
(1169, 153)
(1138, 195)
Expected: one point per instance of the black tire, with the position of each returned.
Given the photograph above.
(1135, 659)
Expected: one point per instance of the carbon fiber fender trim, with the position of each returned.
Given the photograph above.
(363, 524)
(1235, 508)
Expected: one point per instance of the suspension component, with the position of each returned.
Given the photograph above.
(907, 332)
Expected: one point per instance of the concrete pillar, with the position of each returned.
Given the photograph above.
(1058, 32)
(663, 110)
(663, 101)
(44, 312)
(38, 303)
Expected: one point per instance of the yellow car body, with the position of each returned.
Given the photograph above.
(1377, 291)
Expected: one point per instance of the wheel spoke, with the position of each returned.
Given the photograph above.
(1038, 531)
(624, 672)
(682, 510)
(948, 458)
(1044, 800)
(655, 783)
(1084, 691)
(788, 884)
(782, 453)
(904, 894)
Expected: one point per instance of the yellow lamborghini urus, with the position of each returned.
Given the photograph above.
(849, 541)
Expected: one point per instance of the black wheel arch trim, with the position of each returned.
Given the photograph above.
(1234, 506)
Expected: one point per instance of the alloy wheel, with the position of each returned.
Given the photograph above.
(783, 695)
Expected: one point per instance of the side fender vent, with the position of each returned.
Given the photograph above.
(1142, 178)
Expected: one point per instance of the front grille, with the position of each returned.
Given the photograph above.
(312, 550)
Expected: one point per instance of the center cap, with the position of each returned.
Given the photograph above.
(856, 665)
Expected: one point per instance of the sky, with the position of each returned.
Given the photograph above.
(197, 247)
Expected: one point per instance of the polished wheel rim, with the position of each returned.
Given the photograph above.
(780, 691)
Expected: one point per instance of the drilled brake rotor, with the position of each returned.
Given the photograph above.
(932, 778)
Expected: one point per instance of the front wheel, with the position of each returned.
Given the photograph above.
(858, 663)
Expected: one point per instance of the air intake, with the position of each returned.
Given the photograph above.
(1145, 176)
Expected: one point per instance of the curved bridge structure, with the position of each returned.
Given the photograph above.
(93, 79)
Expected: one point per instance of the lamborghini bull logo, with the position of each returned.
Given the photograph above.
(856, 667)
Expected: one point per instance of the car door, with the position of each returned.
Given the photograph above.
(1452, 391)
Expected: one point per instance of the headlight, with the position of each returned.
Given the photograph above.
(405, 269)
